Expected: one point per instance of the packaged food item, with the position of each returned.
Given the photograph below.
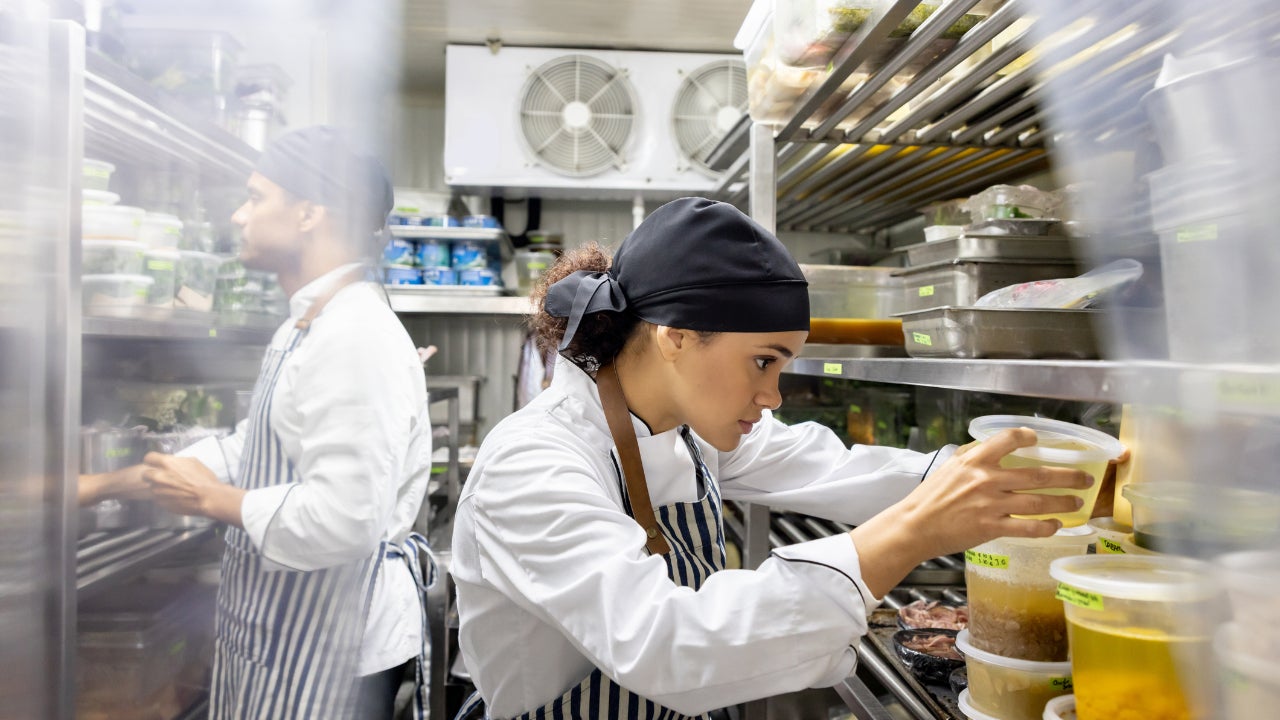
(108, 294)
(811, 31)
(1008, 202)
(98, 197)
(1201, 521)
(466, 254)
(480, 221)
(439, 276)
(530, 265)
(1252, 580)
(97, 174)
(1140, 629)
(400, 275)
(111, 257)
(399, 252)
(1111, 535)
(433, 253)
(159, 230)
(1009, 688)
(197, 280)
(1013, 608)
(110, 222)
(478, 276)
(161, 265)
(1250, 683)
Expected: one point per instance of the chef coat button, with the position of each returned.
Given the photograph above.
(653, 532)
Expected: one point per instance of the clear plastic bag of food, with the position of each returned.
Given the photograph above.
(1065, 293)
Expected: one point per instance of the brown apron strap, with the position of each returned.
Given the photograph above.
(624, 437)
(304, 322)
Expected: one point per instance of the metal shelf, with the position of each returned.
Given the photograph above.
(406, 300)
(1244, 389)
(128, 121)
(968, 119)
(136, 328)
(107, 558)
(421, 232)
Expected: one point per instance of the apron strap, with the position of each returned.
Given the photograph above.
(304, 322)
(624, 438)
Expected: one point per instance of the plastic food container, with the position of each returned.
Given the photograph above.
(433, 253)
(1059, 444)
(1252, 580)
(477, 276)
(110, 222)
(530, 265)
(1111, 535)
(97, 174)
(480, 221)
(850, 291)
(1062, 707)
(965, 701)
(1202, 520)
(106, 294)
(932, 666)
(98, 197)
(467, 254)
(1008, 202)
(1250, 683)
(399, 252)
(545, 237)
(1140, 630)
(197, 280)
(161, 265)
(1013, 607)
(159, 230)
(404, 276)
(111, 257)
(439, 276)
(1009, 688)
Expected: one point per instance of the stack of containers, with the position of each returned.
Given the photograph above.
(112, 257)
(1248, 648)
(536, 258)
(1015, 646)
(439, 262)
(161, 235)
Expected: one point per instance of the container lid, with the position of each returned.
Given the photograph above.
(1129, 577)
(99, 197)
(1031, 666)
(1062, 707)
(118, 279)
(970, 711)
(162, 219)
(1057, 441)
(1109, 524)
(1236, 502)
(1079, 535)
(112, 243)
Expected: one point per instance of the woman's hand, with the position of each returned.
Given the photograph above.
(965, 502)
(187, 487)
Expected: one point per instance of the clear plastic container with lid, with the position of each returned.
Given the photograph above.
(1009, 688)
(114, 294)
(530, 265)
(197, 279)
(98, 197)
(1202, 520)
(161, 265)
(1058, 444)
(1250, 683)
(1013, 607)
(1062, 707)
(1252, 580)
(1140, 630)
(1111, 535)
(110, 222)
(107, 257)
(160, 230)
(97, 174)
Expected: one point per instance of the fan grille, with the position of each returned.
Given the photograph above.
(709, 102)
(577, 115)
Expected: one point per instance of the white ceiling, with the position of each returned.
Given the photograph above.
(687, 25)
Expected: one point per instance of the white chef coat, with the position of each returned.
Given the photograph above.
(553, 579)
(350, 411)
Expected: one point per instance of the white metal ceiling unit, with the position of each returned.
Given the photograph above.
(592, 124)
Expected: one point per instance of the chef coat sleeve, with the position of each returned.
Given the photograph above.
(221, 455)
(805, 468)
(547, 535)
(349, 401)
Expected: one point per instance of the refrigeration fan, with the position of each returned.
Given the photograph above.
(577, 115)
(708, 104)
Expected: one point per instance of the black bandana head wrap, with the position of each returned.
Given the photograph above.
(695, 264)
(319, 164)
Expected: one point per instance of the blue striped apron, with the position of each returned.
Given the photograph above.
(288, 641)
(695, 534)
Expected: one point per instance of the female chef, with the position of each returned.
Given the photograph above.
(588, 548)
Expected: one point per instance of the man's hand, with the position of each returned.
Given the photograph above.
(187, 487)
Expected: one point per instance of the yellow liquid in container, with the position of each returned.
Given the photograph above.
(1090, 494)
(1134, 674)
(856, 331)
(1015, 620)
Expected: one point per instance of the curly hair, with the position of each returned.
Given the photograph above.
(600, 336)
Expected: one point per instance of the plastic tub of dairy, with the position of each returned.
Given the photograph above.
(1250, 683)
(98, 197)
(160, 230)
(480, 221)
(1252, 580)
(1009, 688)
(1062, 707)
(467, 254)
(111, 257)
(1014, 611)
(97, 174)
(399, 252)
(478, 276)
(111, 222)
(1058, 444)
(161, 265)
(1201, 520)
(1110, 535)
(439, 276)
(197, 279)
(1140, 630)
(403, 276)
(109, 294)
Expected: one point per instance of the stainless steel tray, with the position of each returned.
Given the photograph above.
(1055, 248)
(968, 332)
(959, 283)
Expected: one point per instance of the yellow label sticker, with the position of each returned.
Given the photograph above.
(1079, 598)
(116, 453)
(1249, 390)
(161, 265)
(985, 559)
(833, 368)
(926, 291)
(1109, 547)
(1061, 683)
(213, 332)
(920, 338)
(1197, 233)
(537, 266)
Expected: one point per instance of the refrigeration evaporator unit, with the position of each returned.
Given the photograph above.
(588, 123)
